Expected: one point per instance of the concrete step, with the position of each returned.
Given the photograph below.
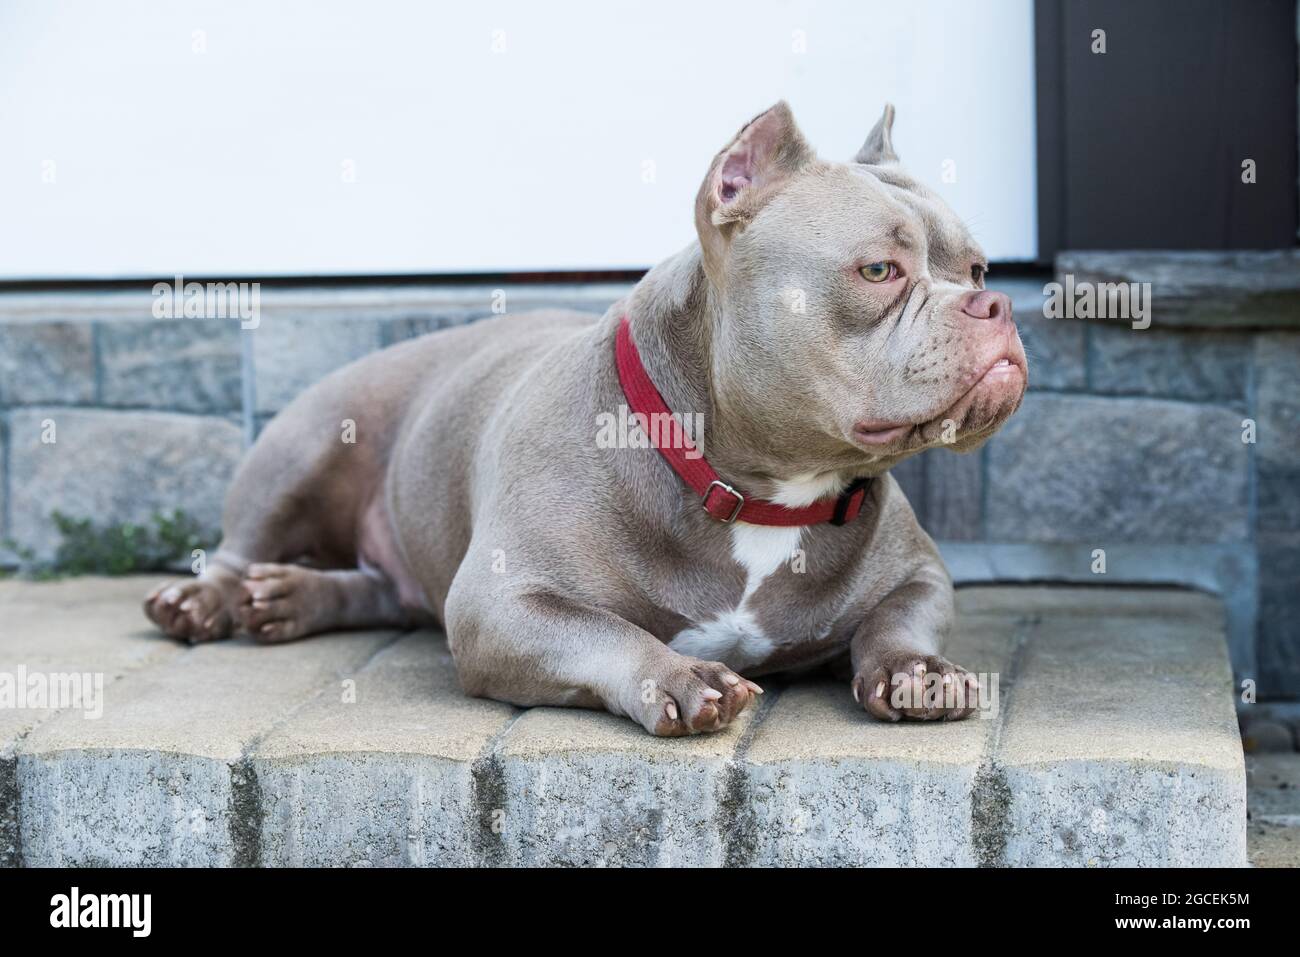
(1114, 742)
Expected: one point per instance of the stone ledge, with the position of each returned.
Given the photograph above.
(324, 301)
(1238, 289)
(1115, 742)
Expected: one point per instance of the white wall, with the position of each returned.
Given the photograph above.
(231, 161)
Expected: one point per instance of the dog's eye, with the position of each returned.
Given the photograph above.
(977, 273)
(879, 272)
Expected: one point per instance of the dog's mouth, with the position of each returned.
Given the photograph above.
(980, 408)
(873, 434)
(1006, 371)
(1005, 368)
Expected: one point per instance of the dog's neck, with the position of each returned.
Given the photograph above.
(676, 311)
(673, 312)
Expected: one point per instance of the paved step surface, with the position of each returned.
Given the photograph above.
(1273, 799)
(1113, 742)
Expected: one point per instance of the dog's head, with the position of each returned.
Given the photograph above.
(852, 313)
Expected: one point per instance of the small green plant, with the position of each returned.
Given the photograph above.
(167, 540)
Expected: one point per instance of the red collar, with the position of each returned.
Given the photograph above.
(720, 500)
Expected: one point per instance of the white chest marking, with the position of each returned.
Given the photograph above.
(761, 549)
(734, 637)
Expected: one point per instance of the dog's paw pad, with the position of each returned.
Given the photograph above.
(916, 687)
(190, 610)
(696, 698)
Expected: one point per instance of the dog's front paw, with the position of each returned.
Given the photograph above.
(920, 687)
(695, 697)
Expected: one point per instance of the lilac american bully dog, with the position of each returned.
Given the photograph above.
(830, 320)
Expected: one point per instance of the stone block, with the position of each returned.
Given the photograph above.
(186, 365)
(1174, 363)
(1097, 470)
(44, 363)
(115, 466)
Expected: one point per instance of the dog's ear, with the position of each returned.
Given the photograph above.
(879, 147)
(754, 165)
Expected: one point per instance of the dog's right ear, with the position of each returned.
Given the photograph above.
(754, 165)
(879, 147)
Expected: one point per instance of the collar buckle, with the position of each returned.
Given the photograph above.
(727, 489)
(849, 504)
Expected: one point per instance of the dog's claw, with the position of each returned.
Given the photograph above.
(699, 696)
(909, 672)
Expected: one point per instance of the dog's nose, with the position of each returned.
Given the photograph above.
(984, 304)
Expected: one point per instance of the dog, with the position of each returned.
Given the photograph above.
(829, 320)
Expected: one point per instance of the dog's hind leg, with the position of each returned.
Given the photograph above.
(304, 494)
(294, 498)
(262, 522)
(284, 602)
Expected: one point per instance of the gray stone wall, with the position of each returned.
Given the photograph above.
(1130, 442)
(110, 414)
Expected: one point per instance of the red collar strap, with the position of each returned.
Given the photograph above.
(720, 500)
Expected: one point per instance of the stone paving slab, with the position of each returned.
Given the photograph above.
(162, 777)
(379, 769)
(84, 627)
(825, 785)
(593, 789)
(1119, 746)
(1274, 788)
(1273, 796)
(1113, 742)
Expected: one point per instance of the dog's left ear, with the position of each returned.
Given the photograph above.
(744, 176)
(879, 147)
